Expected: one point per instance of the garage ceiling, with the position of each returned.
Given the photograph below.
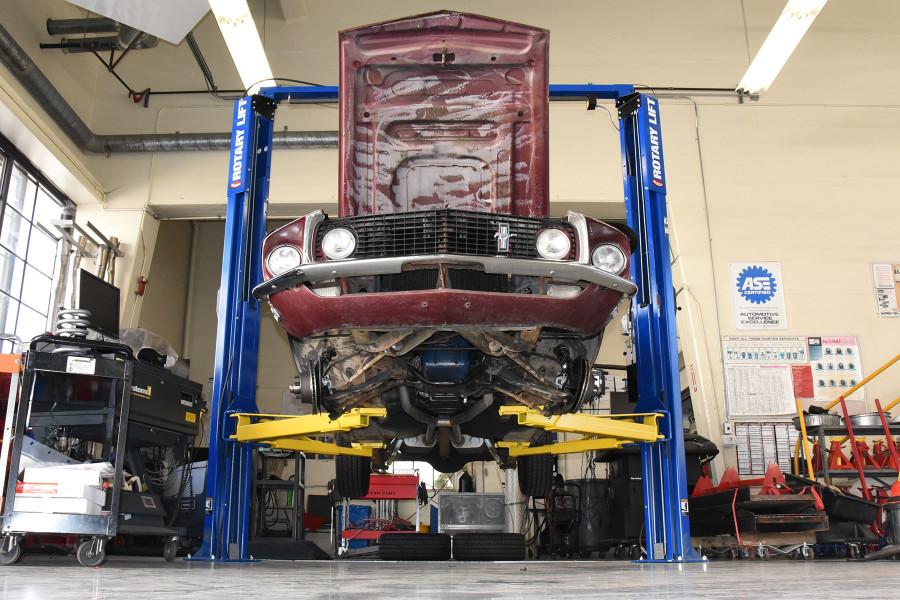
(697, 43)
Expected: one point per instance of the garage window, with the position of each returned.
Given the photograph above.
(434, 480)
(28, 248)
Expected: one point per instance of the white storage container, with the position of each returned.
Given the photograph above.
(72, 506)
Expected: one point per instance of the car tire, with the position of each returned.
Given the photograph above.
(536, 475)
(489, 546)
(630, 233)
(414, 546)
(352, 475)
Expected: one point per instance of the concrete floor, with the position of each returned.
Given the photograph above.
(60, 578)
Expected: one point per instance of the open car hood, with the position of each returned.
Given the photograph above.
(444, 110)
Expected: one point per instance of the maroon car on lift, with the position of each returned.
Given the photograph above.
(443, 289)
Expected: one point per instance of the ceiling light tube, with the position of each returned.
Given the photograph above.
(242, 39)
(790, 28)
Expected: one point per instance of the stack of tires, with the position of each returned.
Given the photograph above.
(464, 546)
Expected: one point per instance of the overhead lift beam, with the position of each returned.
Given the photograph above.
(229, 474)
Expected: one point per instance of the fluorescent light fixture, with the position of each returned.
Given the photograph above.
(790, 28)
(242, 39)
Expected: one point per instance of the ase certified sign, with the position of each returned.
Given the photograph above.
(757, 290)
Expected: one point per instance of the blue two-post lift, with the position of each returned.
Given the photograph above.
(228, 483)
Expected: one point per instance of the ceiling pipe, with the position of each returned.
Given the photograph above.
(81, 26)
(61, 112)
(126, 38)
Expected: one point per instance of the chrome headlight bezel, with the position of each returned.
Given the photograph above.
(283, 258)
(609, 258)
(345, 248)
(553, 243)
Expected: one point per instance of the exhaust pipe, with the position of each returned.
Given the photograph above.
(14, 58)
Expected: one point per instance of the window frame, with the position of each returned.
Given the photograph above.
(13, 158)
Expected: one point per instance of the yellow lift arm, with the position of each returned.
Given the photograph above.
(599, 432)
(292, 432)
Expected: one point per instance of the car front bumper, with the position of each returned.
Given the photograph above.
(303, 312)
(558, 271)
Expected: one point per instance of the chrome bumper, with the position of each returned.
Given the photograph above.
(559, 271)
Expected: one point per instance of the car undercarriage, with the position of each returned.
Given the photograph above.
(435, 381)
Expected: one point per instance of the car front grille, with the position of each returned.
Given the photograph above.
(443, 231)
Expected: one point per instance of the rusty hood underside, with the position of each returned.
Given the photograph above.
(444, 110)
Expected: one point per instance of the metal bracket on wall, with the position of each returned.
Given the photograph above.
(110, 243)
(65, 227)
(628, 105)
(264, 106)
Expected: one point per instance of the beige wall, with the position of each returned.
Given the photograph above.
(166, 295)
(805, 176)
(276, 368)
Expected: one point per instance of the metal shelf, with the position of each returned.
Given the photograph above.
(278, 483)
(825, 431)
(852, 474)
(841, 430)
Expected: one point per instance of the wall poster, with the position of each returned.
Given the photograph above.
(765, 375)
(887, 289)
(759, 374)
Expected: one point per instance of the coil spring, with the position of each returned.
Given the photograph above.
(72, 323)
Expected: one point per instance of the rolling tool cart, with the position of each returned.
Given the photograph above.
(95, 400)
(106, 370)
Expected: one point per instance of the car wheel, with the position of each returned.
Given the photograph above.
(414, 546)
(352, 475)
(536, 475)
(489, 546)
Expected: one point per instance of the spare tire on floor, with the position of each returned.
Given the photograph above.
(489, 546)
(414, 546)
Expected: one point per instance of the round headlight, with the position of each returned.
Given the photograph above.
(554, 244)
(609, 258)
(338, 243)
(282, 259)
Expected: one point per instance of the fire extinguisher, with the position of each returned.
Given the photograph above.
(141, 285)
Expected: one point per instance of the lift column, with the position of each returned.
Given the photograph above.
(228, 479)
(666, 525)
